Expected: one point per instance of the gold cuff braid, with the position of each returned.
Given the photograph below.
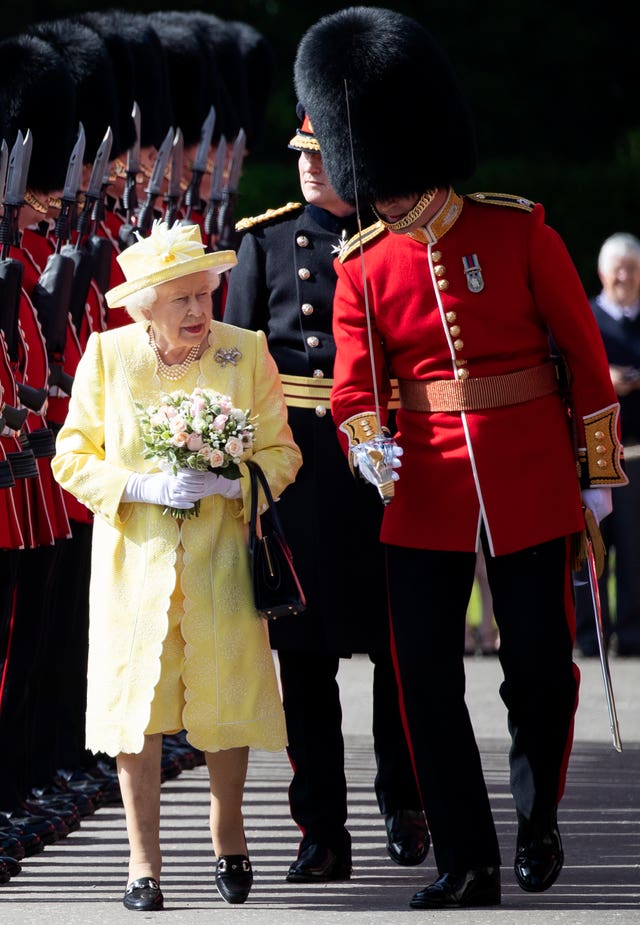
(601, 458)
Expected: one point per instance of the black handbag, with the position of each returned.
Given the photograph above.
(276, 588)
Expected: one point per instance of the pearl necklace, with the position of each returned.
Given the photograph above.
(178, 370)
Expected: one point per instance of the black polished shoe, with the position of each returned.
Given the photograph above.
(234, 877)
(317, 864)
(11, 866)
(479, 887)
(408, 837)
(143, 895)
(539, 858)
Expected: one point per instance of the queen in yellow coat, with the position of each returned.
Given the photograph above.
(175, 642)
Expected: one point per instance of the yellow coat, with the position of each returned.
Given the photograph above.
(231, 690)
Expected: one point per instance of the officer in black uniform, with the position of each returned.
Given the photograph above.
(284, 285)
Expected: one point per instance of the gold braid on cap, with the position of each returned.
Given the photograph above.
(413, 215)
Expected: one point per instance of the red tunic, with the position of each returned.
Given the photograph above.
(512, 468)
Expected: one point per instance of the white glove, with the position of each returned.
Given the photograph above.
(178, 491)
(599, 502)
(213, 484)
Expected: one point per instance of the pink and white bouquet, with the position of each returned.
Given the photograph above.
(202, 430)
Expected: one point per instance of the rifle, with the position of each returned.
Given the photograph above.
(226, 226)
(126, 237)
(51, 296)
(192, 194)
(146, 215)
(215, 195)
(11, 270)
(174, 191)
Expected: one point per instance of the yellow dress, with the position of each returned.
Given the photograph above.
(174, 639)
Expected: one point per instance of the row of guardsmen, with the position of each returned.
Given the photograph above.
(107, 122)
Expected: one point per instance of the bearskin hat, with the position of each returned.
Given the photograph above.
(225, 51)
(259, 62)
(187, 70)
(407, 118)
(150, 75)
(89, 64)
(124, 132)
(37, 92)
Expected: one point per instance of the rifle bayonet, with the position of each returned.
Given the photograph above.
(216, 192)
(192, 195)
(154, 187)
(174, 191)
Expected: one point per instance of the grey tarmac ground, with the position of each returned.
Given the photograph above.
(80, 880)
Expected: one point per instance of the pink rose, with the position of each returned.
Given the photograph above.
(177, 424)
(194, 442)
(216, 459)
(234, 446)
(219, 421)
(180, 439)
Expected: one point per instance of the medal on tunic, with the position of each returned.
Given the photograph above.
(339, 248)
(473, 272)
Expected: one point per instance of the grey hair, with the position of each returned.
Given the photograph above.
(620, 244)
(139, 302)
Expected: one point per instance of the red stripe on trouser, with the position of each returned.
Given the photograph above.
(570, 613)
(403, 711)
(5, 667)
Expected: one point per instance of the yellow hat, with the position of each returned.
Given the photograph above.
(168, 253)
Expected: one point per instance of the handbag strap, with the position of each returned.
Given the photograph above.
(256, 476)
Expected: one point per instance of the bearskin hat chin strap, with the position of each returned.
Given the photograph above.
(412, 215)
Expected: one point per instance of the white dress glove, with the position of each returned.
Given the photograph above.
(599, 502)
(179, 491)
(213, 484)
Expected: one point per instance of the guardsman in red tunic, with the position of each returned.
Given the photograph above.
(466, 297)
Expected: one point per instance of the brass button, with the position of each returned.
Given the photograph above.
(463, 373)
(599, 435)
(307, 308)
(443, 284)
(601, 449)
(461, 362)
(321, 411)
(318, 374)
(458, 344)
(602, 463)
(440, 270)
(455, 330)
(304, 273)
(436, 256)
(451, 317)
(302, 240)
(313, 341)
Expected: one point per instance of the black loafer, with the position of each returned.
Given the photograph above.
(317, 864)
(539, 859)
(408, 837)
(234, 877)
(143, 895)
(479, 887)
(10, 866)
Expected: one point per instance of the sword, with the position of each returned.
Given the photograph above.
(378, 461)
(602, 649)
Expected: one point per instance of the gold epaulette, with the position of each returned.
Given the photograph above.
(503, 199)
(367, 235)
(245, 223)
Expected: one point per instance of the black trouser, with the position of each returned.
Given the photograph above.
(318, 790)
(532, 600)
